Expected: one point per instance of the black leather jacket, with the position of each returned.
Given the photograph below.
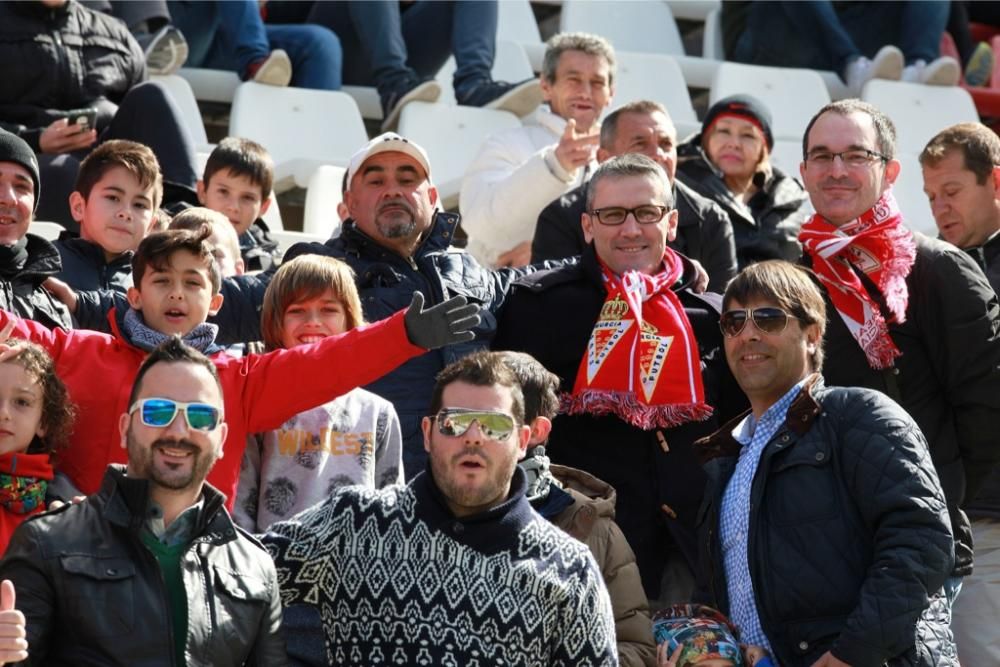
(93, 594)
(849, 540)
(59, 59)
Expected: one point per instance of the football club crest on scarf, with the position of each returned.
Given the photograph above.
(641, 362)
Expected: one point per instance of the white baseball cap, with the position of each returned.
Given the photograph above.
(390, 142)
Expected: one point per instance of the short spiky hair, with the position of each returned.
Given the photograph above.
(58, 412)
(137, 159)
(156, 250)
(481, 369)
(242, 157)
(789, 286)
(885, 130)
(978, 144)
(539, 385)
(307, 277)
(172, 351)
(630, 164)
(592, 45)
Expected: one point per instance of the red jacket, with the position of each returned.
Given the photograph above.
(260, 392)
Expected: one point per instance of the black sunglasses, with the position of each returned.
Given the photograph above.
(769, 320)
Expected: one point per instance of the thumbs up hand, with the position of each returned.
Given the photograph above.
(13, 645)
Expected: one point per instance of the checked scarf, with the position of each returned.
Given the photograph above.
(877, 244)
(24, 478)
(642, 361)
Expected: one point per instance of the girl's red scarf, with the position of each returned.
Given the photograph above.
(642, 360)
(878, 244)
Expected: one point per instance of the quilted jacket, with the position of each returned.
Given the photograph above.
(849, 540)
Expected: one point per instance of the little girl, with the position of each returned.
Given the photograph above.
(35, 417)
(353, 439)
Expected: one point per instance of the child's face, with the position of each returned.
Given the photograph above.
(226, 250)
(313, 320)
(234, 196)
(177, 299)
(20, 408)
(117, 214)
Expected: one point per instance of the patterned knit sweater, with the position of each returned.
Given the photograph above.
(399, 580)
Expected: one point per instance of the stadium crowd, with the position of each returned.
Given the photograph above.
(659, 403)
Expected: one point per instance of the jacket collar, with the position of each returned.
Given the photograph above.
(544, 118)
(43, 259)
(799, 419)
(92, 251)
(496, 529)
(127, 505)
(438, 237)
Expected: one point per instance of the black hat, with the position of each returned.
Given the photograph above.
(744, 106)
(14, 149)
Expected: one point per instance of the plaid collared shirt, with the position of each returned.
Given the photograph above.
(734, 516)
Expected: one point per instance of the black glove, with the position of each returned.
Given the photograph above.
(444, 324)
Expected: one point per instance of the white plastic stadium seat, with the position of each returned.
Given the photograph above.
(286, 239)
(452, 136)
(791, 95)
(694, 10)
(918, 111)
(909, 193)
(638, 25)
(322, 196)
(656, 77)
(367, 99)
(712, 46)
(302, 129)
(516, 23)
(49, 231)
(183, 96)
(211, 85)
(510, 64)
(787, 156)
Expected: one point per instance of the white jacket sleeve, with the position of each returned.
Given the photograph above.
(514, 177)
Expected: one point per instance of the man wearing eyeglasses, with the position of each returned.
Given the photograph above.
(908, 315)
(454, 568)
(151, 569)
(638, 354)
(825, 533)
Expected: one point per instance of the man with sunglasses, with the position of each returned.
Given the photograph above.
(824, 533)
(910, 316)
(454, 568)
(151, 569)
(638, 354)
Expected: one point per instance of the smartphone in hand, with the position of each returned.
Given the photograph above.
(84, 119)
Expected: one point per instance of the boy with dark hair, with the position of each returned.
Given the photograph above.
(583, 506)
(176, 289)
(117, 190)
(237, 182)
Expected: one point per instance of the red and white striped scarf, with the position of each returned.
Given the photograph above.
(877, 244)
(642, 361)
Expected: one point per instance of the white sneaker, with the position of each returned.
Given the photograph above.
(943, 71)
(887, 64)
(276, 70)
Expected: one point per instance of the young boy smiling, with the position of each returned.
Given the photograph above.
(176, 288)
(237, 182)
(117, 190)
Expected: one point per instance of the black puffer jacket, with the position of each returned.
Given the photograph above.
(84, 266)
(92, 593)
(948, 377)
(386, 282)
(767, 227)
(24, 295)
(849, 543)
(62, 58)
(704, 232)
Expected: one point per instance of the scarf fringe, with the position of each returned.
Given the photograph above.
(627, 407)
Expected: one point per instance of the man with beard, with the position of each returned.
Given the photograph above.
(398, 242)
(151, 569)
(454, 568)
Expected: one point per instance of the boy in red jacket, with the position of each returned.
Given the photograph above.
(176, 289)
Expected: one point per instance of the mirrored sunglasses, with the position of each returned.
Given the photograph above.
(769, 320)
(493, 425)
(160, 413)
